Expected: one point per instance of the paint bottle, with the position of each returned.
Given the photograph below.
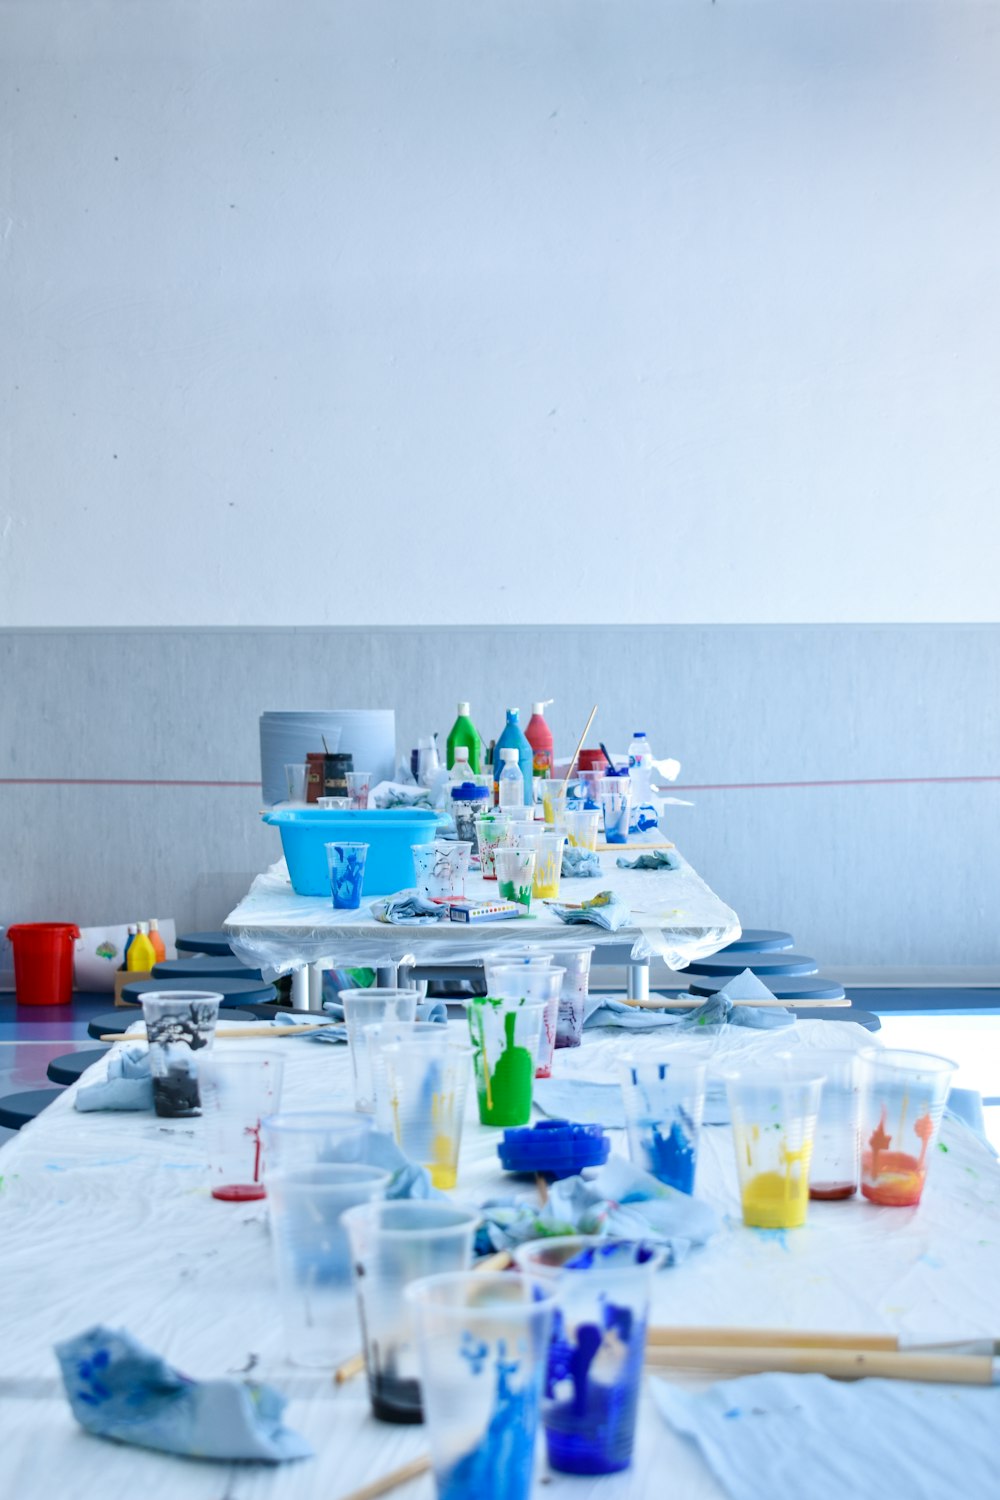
(513, 738)
(141, 954)
(132, 930)
(460, 770)
(159, 947)
(465, 733)
(511, 783)
(539, 737)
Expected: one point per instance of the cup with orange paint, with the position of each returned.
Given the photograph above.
(902, 1100)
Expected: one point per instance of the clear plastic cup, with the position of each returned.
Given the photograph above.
(359, 785)
(393, 1244)
(427, 1079)
(482, 1344)
(774, 1111)
(548, 846)
(333, 803)
(616, 801)
(533, 982)
(582, 828)
(515, 869)
(492, 832)
(525, 814)
(179, 1025)
(836, 1153)
(382, 1033)
(346, 864)
(296, 778)
(312, 1255)
(441, 868)
(505, 1037)
(602, 1289)
(573, 1001)
(361, 1009)
(554, 794)
(664, 1097)
(237, 1093)
(308, 1138)
(903, 1096)
(590, 782)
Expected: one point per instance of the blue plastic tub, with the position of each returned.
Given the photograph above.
(388, 832)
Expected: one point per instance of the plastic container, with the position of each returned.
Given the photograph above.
(902, 1099)
(539, 737)
(664, 1098)
(774, 1111)
(141, 953)
(468, 802)
(510, 782)
(464, 733)
(43, 961)
(836, 1154)
(513, 738)
(158, 945)
(553, 1149)
(389, 832)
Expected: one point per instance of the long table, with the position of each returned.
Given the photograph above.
(674, 916)
(108, 1218)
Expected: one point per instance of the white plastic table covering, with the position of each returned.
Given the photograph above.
(107, 1217)
(676, 917)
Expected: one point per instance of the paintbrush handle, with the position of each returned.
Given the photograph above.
(262, 1032)
(391, 1481)
(576, 752)
(838, 1364)
(767, 1338)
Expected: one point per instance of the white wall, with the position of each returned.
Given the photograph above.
(292, 293)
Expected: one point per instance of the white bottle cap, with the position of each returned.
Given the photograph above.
(133, 929)
(539, 708)
(463, 710)
(462, 752)
(508, 753)
(154, 925)
(143, 926)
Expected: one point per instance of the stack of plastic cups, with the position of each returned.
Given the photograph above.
(774, 1111)
(903, 1098)
(602, 1290)
(505, 1037)
(392, 1245)
(533, 981)
(362, 1008)
(482, 1344)
(427, 1082)
(573, 1001)
(836, 1154)
(664, 1098)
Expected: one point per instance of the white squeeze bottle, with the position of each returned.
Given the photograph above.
(640, 768)
(511, 781)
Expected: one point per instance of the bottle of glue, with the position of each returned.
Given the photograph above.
(539, 737)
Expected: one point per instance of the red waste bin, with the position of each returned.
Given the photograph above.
(43, 961)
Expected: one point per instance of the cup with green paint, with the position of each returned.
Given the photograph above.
(515, 869)
(505, 1037)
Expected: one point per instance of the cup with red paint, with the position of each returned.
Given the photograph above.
(902, 1100)
(237, 1093)
(836, 1153)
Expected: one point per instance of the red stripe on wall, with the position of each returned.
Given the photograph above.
(719, 786)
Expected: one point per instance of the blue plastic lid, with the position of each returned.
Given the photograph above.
(553, 1148)
(469, 791)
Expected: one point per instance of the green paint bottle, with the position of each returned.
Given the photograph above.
(464, 732)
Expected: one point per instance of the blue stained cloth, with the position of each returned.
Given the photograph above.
(653, 859)
(580, 863)
(605, 909)
(120, 1390)
(619, 1199)
(804, 1435)
(407, 907)
(717, 1010)
(128, 1084)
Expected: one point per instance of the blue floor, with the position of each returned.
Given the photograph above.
(32, 1035)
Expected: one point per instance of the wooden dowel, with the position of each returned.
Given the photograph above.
(767, 1338)
(659, 1002)
(576, 752)
(391, 1481)
(838, 1364)
(261, 1031)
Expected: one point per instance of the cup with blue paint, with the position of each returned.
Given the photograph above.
(482, 1346)
(664, 1097)
(602, 1290)
(616, 801)
(346, 863)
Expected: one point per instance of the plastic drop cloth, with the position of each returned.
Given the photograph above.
(675, 916)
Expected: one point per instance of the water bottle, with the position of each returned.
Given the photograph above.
(511, 780)
(640, 769)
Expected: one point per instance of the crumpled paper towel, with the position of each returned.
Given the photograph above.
(580, 863)
(409, 907)
(606, 910)
(652, 859)
(118, 1389)
(128, 1084)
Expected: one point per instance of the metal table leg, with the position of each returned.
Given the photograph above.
(385, 976)
(637, 979)
(300, 988)
(316, 986)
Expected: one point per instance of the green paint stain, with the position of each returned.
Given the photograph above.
(942, 1147)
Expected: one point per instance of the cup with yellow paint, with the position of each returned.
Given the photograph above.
(773, 1111)
(427, 1083)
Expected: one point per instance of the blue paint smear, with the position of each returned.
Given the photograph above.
(779, 1236)
(500, 1467)
(593, 1431)
(671, 1158)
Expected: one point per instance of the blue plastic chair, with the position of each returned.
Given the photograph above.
(764, 964)
(761, 940)
(204, 942)
(71, 1065)
(805, 987)
(17, 1109)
